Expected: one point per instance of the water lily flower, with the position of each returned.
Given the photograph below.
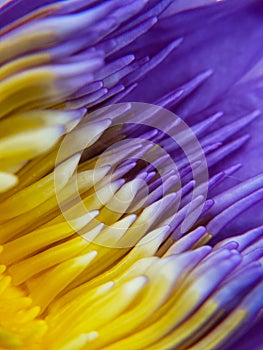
(130, 175)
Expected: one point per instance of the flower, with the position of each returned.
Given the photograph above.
(113, 235)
